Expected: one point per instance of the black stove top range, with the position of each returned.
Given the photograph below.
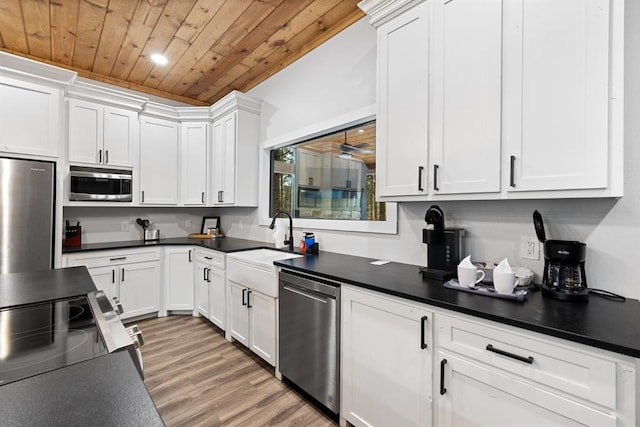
(42, 337)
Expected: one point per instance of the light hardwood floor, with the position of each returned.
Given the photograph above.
(197, 378)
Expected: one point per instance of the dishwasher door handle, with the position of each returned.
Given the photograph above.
(305, 294)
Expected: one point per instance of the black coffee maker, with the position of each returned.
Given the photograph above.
(445, 246)
(564, 277)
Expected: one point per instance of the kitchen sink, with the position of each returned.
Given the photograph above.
(263, 256)
(255, 269)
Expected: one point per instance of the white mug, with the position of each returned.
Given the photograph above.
(468, 276)
(504, 283)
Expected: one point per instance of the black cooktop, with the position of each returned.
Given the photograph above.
(46, 336)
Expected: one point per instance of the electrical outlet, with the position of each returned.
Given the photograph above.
(124, 226)
(188, 223)
(529, 247)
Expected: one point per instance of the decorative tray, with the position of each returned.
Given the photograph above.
(519, 293)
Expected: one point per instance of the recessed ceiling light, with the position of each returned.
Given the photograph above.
(360, 130)
(159, 59)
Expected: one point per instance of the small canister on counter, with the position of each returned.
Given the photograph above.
(72, 235)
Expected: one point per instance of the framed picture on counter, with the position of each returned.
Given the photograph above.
(210, 222)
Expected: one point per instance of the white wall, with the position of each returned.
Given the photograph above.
(104, 224)
(339, 77)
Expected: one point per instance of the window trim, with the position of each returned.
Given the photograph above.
(367, 114)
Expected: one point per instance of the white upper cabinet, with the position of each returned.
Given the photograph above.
(236, 134)
(30, 116)
(556, 94)
(158, 161)
(194, 150)
(309, 168)
(509, 99)
(101, 135)
(224, 159)
(466, 89)
(403, 104)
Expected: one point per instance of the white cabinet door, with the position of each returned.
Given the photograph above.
(178, 278)
(339, 172)
(106, 280)
(262, 323)
(467, 78)
(120, 130)
(140, 288)
(86, 132)
(556, 94)
(386, 361)
(194, 149)
(309, 168)
(30, 118)
(403, 103)
(224, 160)
(101, 135)
(238, 316)
(202, 289)
(473, 394)
(217, 300)
(158, 162)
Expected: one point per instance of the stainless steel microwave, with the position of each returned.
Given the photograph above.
(96, 184)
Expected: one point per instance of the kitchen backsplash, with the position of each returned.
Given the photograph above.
(107, 224)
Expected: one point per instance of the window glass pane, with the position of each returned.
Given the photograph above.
(329, 177)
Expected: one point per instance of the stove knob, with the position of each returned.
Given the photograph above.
(136, 335)
(117, 306)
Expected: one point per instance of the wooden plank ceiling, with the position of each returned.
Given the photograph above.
(213, 46)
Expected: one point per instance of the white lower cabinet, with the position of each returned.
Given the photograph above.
(252, 290)
(527, 379)
(178, 278)
(132, 275)
(472, 372)
(475, 394)
(387, 355)
(139, 288)
(210, 286)
(262, 321)
(252, 320)
(238, 313)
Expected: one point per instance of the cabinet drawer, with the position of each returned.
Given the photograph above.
(115, 257)
(212, 258)
(531, 356)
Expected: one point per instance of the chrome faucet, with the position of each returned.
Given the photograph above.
(273, 223)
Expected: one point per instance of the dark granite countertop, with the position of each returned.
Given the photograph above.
(600, 323)
(105, 391)
(48, 285)
(222, 244)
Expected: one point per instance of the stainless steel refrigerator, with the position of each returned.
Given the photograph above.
(27, 200)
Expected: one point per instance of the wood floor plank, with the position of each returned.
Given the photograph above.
(197, 378)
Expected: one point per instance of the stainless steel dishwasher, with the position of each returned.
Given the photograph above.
(310, 335)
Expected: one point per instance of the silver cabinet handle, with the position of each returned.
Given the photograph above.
(142, 198)
(189, 255)
(122, 280)
(99, 156)
(118, 258)
(203, 197)
(106, 156)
